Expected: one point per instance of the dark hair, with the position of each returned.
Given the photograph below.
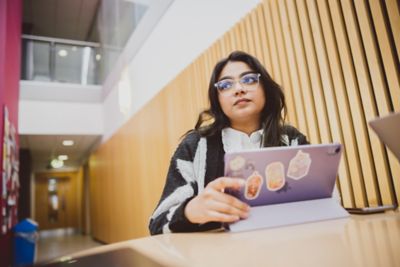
(272, 118)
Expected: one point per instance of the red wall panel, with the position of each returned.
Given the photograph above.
(10, 52)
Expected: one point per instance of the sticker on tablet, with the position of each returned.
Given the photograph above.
(253, 186)
(299, 165)
(275, 176)
(237, 163)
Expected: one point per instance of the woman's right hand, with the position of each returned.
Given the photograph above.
(213, 205)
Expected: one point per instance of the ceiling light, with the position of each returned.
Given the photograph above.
(68, 142)
(98, 57)
(62, 157)
(62, 53)
(56, 163)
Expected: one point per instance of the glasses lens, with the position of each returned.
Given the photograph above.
(250, 79)
(224, 85)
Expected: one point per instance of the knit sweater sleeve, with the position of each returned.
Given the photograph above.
(180, 187)
(293, 137)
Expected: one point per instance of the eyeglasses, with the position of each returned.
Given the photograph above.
(248, 81)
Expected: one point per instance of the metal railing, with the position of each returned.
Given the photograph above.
(61, 60)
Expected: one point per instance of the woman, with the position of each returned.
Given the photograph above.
(247, 110)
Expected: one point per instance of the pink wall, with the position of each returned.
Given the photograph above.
(10, 52)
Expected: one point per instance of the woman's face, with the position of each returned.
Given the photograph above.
(242, 103)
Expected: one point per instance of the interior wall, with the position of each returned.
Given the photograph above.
(10, 45)
(60, 118)
(338, 64)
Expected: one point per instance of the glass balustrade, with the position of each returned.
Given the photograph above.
(59, 60)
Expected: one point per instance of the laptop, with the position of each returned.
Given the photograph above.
(388, 128)
(286, 185)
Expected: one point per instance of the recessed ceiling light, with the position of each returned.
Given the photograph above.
(56, 163)
(62, 157)
(62, 53)
(68, 142)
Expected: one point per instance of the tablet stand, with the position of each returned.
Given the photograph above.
(290, 213)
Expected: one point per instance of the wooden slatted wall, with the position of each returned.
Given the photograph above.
(338, 62)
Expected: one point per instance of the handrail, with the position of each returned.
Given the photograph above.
(59, 40)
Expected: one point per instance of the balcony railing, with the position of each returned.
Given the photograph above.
(61, 60)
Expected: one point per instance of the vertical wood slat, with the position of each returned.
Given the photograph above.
(314, 76)
(257, 36)
(378, 89)
(215, 56)
(367, 96)
(356, 111)
(272, 46)
(264, 40)
(240, 42)
(292, 92)
(227, 43)
(208, 62)
(242, 34)
(349, 142)
(293, 71)
(369, 193)
(250, 35)
(330, 100)
(283, 63)
(389, 57)
(391, 68)
(393, 10)
(219, 49)
(232, 40)
(305, 87)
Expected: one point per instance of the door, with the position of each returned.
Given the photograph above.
(51, 202)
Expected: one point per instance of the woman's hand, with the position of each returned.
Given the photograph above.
(213, 205)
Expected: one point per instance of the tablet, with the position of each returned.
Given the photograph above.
(284, 174)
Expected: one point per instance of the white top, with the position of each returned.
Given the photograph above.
(234, 140)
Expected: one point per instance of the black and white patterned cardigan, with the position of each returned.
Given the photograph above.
(196, 162)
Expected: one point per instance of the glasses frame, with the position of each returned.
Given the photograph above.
(258, 75)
